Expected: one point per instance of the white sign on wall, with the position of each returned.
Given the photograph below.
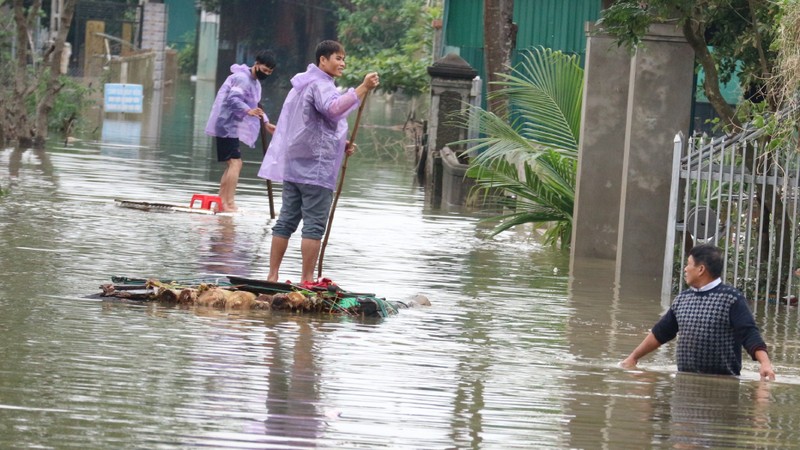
(124, 98)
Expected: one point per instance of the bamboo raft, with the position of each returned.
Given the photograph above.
(168, 207)
(245, 294)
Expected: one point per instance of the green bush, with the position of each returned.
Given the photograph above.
(69, 105)
(393, 38)
(187, 56)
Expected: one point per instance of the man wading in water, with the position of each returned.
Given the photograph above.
(713, 320)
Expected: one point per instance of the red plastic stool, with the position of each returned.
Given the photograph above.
(206, 201)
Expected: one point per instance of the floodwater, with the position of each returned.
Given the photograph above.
(511, 354)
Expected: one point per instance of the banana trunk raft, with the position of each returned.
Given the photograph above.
(245, 294)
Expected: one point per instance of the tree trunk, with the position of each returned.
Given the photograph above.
(53, 85)
(24, 78)
(499, 39)
(3, 120)
(694, 31)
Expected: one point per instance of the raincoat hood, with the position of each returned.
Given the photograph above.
(312, 74)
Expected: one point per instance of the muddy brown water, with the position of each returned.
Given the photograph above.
(508, 355)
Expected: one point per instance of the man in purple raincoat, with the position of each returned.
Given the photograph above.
(236, 117)
(306, 152)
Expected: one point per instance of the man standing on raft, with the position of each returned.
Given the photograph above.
(236, 117)
(306, 152)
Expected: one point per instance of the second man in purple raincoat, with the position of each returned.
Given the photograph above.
(236, 117)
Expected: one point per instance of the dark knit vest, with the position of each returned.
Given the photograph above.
(706, 342)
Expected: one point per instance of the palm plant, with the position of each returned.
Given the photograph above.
(530, 152)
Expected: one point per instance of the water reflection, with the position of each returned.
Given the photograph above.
(204, 93)
(121, 138)
(705, 408)
(293, 386)
(39, 159)
(673, 410)
(594, 331)
(228, 253)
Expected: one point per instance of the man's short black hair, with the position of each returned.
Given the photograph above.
(267, 58)
(327, 48)
(710, 256)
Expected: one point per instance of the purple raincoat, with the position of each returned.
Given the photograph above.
(239, 94)
(309, 140)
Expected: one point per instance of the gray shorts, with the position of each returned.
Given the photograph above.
(308, 202)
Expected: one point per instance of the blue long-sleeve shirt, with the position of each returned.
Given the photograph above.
(714, 325)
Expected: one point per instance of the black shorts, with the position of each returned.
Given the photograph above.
(228, 148)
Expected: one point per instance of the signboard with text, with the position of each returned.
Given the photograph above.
(124, 98)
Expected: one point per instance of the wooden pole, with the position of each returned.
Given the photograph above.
(269, 182)
(339, 187)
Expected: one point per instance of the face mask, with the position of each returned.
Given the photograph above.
(261, 75)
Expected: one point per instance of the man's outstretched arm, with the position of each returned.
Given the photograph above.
(649, 344)
(765, 370)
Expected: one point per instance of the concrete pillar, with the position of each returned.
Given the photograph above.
(632, 108)
(94, 50)
(207, 46)
(659, 105)
(451, 84)
(154, 38)
(602, 144)
(56, 8)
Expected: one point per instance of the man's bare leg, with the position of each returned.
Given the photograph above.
(228, 183)
(309, 248)
(276, 252)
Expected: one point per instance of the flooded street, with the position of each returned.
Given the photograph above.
(509, 355)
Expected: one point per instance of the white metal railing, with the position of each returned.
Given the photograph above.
(741, 194)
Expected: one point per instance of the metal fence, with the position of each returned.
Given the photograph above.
(741, 194)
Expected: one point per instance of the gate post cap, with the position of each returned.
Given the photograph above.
(452, 66)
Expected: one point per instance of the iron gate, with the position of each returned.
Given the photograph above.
(741, 194)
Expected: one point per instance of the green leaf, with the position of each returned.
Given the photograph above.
(531, 155)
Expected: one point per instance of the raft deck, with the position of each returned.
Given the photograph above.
(239, 293)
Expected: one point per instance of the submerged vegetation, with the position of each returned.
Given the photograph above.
(530, 153)
(70, 103)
